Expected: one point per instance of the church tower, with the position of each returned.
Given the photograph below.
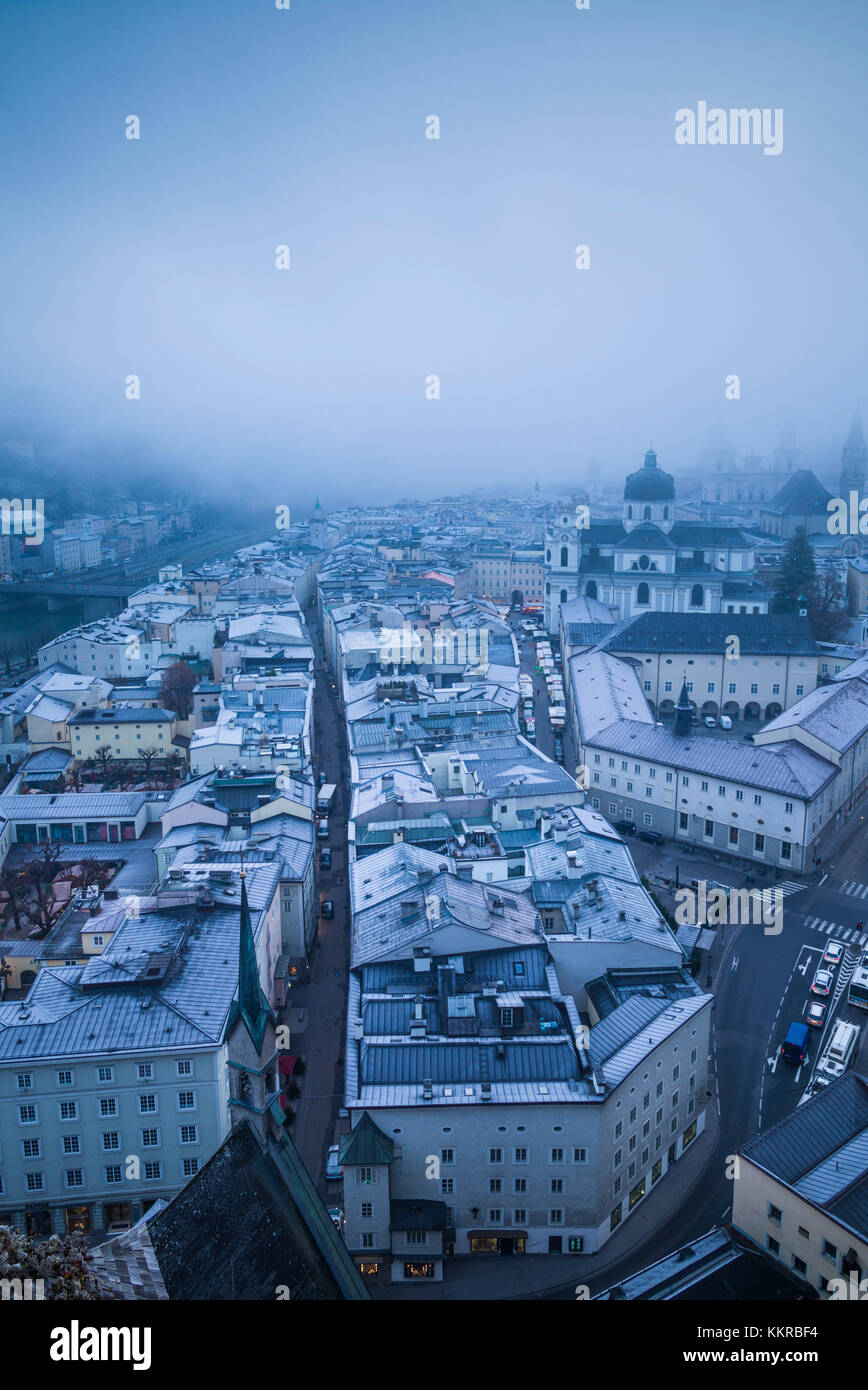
(682, 713)
(649, 496)
(318, 527)
(854, 459)
(250, 1042)
(563, 558)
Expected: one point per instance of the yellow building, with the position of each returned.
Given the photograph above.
(126, 732)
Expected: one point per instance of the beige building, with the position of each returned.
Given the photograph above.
(126, 732)
(800, 1191)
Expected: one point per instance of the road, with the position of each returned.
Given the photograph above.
(317, 1008)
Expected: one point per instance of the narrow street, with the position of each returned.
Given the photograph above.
(316, 1009)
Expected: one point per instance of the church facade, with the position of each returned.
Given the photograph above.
(648, 561)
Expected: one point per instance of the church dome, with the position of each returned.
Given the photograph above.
(649, 484)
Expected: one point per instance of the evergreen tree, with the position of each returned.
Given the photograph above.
(797, 575)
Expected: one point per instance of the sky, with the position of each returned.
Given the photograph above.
(411, 257)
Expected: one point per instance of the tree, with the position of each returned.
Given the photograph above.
(88, 872)
(797, 574)
(176, 690)
(148, 756)
(43, 909)
(61, 1262)
(827, 606)
(15, 890)
(102, 757)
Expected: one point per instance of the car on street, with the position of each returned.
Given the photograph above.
(710, 722)
(328, 908)
(651, 837)
(822, 982)
(337, 1217)
(625, 827)
(816, 1014)
(833, 953)
(333, 1168)
(325, 858)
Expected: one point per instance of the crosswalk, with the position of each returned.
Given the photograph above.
(855, 890)
(789, 885)
(835, 929)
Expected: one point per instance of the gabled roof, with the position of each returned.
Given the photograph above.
(366, 1144)
(801, 493)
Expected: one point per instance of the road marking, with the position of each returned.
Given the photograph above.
(734, 964)
(789, 885)
(773, 1061)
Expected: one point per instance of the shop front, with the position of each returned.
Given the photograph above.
(497, 1242)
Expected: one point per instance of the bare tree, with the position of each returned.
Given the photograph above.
(148, 756)
(176, 689)
(43, 909)
(15, 890)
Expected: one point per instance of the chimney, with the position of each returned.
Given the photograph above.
(573, 869)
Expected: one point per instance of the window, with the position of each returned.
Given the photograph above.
(35, 1182)
(25, 1081)
(74, 1177)
(709, 830)
(646, 1129)
(185, 1068)
(799, 1266)
(366, 1176)
(145, 1071)
(495, 1155)
(189, 1134)
(773, 1245)
(190, 1167)
(703, 786)
(643, 594)
(721, 790)
(64, 1078)
(28, 1115)
(631, 1147)
(147, 1105)
(580, 1155)
(829, 1251)
(786, 849)
(739, 795)
(150, 1138)
(556, 1216)
(556, 1187)
(757, 801)
(495, 1186)
(709, 689)
(646, 1100)
(495, 1216)
(658, 1115)
(618, 1129)
(519, 1155)
(774, 1214)
(111, 1140)
(556, 1156)
(759, 843)
(519, 1186)
(186, 1100)
(72, 1143)
(446, 1156)
(108, 1107)
(519, 1216)
(153, 1171)
(615, 1218)
(617, 1160)
(32, 1148)
(803, 1231)
(68, 1109)
(113, 1173)
(447, 1187)
(105, 1074)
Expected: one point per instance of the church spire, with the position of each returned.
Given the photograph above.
(682, 712)
(854, 458)
(251, 1006)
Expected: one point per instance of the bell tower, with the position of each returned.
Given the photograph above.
(563, 559)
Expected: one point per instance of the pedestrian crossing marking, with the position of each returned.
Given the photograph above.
(789, 885)
(854, 890)
(826, 928)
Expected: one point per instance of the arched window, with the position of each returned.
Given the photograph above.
(565, 558)
(646, 515)
(563, 595)
(697, 597)
(548, 557)
(665, 513)
(642, 595)
(644, 562)
(548, 587)
(591, 589)
(629, 513)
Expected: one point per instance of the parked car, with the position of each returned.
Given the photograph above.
(328, 908)
(822, 982)
(652, 837)
(337, 1217)
(794, 1047)
(625, 827)
(833, 953)
(710, 722)
(816, 1014)
(725, 721)
(325, 858)
(333, 1168)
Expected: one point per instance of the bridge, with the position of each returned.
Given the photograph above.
(69, 588)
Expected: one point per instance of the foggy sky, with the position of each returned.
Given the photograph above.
(412, 257)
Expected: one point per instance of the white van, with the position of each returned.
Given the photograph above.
(725, 722)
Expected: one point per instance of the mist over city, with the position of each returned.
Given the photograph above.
(433, 673)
